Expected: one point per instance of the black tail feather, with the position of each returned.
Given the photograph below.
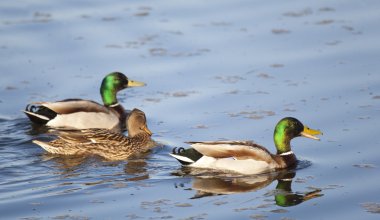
(39, 114)
(190, 153)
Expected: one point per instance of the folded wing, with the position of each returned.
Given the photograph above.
(69, 106)
(240, 150)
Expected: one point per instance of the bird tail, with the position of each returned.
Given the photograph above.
(186, 156)
(46, 146)
(39, 114)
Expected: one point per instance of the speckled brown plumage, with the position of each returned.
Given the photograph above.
(103, 142)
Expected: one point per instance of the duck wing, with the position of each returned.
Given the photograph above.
(240, 150)
(75, 113)
(92, 135)
(69, 106)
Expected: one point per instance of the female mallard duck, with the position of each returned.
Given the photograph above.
(103, 142)
(83, 114)
(246, 157)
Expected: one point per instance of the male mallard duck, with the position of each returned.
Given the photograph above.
(103, 142)
(83, 114)
(246, 157)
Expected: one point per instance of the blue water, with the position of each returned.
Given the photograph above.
(214, 70)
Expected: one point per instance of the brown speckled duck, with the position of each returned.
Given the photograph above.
(105, 143)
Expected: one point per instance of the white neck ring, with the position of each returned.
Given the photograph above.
(287, 153)
(114, 105)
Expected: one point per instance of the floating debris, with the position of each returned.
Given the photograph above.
(325, 22)
(289, 110)
(183, 205)
(258, 217)
(143, 11)
(10, 88)
(230, 79)
(327, 9)
(109, 18)
(264, 76)
(333, 43)
(158, 51)
(180, 94)
(156, 100)
(233, 92)
(200, 127)
(253, 114)
(280, 31)
(41, 14)
(115, 46)
(261, 92)
(218, 203)
(348, 28)
(371, 207)
(142, 14)
(364, 165)
(221, 23)
(74, 217)
(277, 65)
(279, 211)
(304, 12)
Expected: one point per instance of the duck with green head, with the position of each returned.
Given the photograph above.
(247, 157)
(84, 114)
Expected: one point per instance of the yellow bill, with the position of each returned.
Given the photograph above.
(310, 133)
(146, 129)
(132, 83)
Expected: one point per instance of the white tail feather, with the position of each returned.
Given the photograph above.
(45, 146)
(37, 115)
(182, 158)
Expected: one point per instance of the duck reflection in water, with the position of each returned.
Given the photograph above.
(132, 169)
(211, 185)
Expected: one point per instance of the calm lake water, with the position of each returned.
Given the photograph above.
(215, 70)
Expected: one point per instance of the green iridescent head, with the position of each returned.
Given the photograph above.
(113, 83)
(289, 128)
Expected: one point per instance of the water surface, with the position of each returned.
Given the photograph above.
(215, 70)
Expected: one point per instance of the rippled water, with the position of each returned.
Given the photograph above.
(215, 70)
